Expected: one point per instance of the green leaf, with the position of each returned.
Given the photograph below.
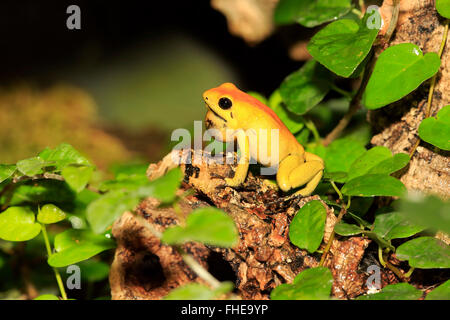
(307, 228)
(50, 213)
(287, 11)
(6, 171)
(164, 188)
(440, 293)
(46, 297)
(303, 137)
(378, 160)
(390, 165)
(341, 153)
(358, 219)
(398, 291)
(94, 271)
(31, 166)
(292, 121)
(42, 191)
(191, 291)
(125, 195)
(367, 161)
(336, 176)
(63, 155)
(77, 177)
(437, 130)
(73, 246)
(360, 206)
(125, 183)
(102, 212)
(372, 185)
(437, 215)
(393, 225)
(310, 13)
(342, 45)
(196, 291)
(345, 229)
(399, 70)
(129, 170)
(425, 253)
(18, 224)
(321, 11)
(310, 284)
(305, 88)
(443, 7)
(206, 225)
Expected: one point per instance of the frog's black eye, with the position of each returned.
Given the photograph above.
(225, 103)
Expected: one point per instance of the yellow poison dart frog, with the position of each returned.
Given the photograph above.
(231, 110)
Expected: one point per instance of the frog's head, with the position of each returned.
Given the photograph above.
(222, 107)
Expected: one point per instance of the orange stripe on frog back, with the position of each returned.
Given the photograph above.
(234, 92)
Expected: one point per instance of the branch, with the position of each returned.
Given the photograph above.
(355, 104)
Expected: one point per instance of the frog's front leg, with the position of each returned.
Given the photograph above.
(295, 171)
(242, 169)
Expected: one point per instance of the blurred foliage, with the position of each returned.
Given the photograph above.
(33, 119)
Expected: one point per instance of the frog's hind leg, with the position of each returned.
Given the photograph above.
(311, 185)
(295, 171)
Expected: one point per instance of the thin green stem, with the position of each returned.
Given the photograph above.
(395, 270)
(312, 127)
(198, 269)
(362, 6)
(432, 86)
(393, 22)
(337, 190)
(332, 235)
(380, 256)
(341, 91)
(409, 273)
(49, 252)
(357, 12)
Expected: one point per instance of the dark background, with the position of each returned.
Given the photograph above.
(35, 39)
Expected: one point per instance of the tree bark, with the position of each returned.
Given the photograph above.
(397, 124)
(144, 268)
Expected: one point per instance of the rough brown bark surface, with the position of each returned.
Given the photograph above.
(397, 124)
(144, 268)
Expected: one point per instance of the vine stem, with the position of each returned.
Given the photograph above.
(339, 218)
(409, 273)
(354, 106)
(198, 268)
(49, 252)
(432, 85)
(393, 22)
(187, 258)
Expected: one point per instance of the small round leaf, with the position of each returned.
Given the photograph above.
(307, 228)
(50, 213)
(18, 224)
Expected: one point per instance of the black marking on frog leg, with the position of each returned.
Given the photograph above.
(231, 115)
(190, 171)
(208, 124)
